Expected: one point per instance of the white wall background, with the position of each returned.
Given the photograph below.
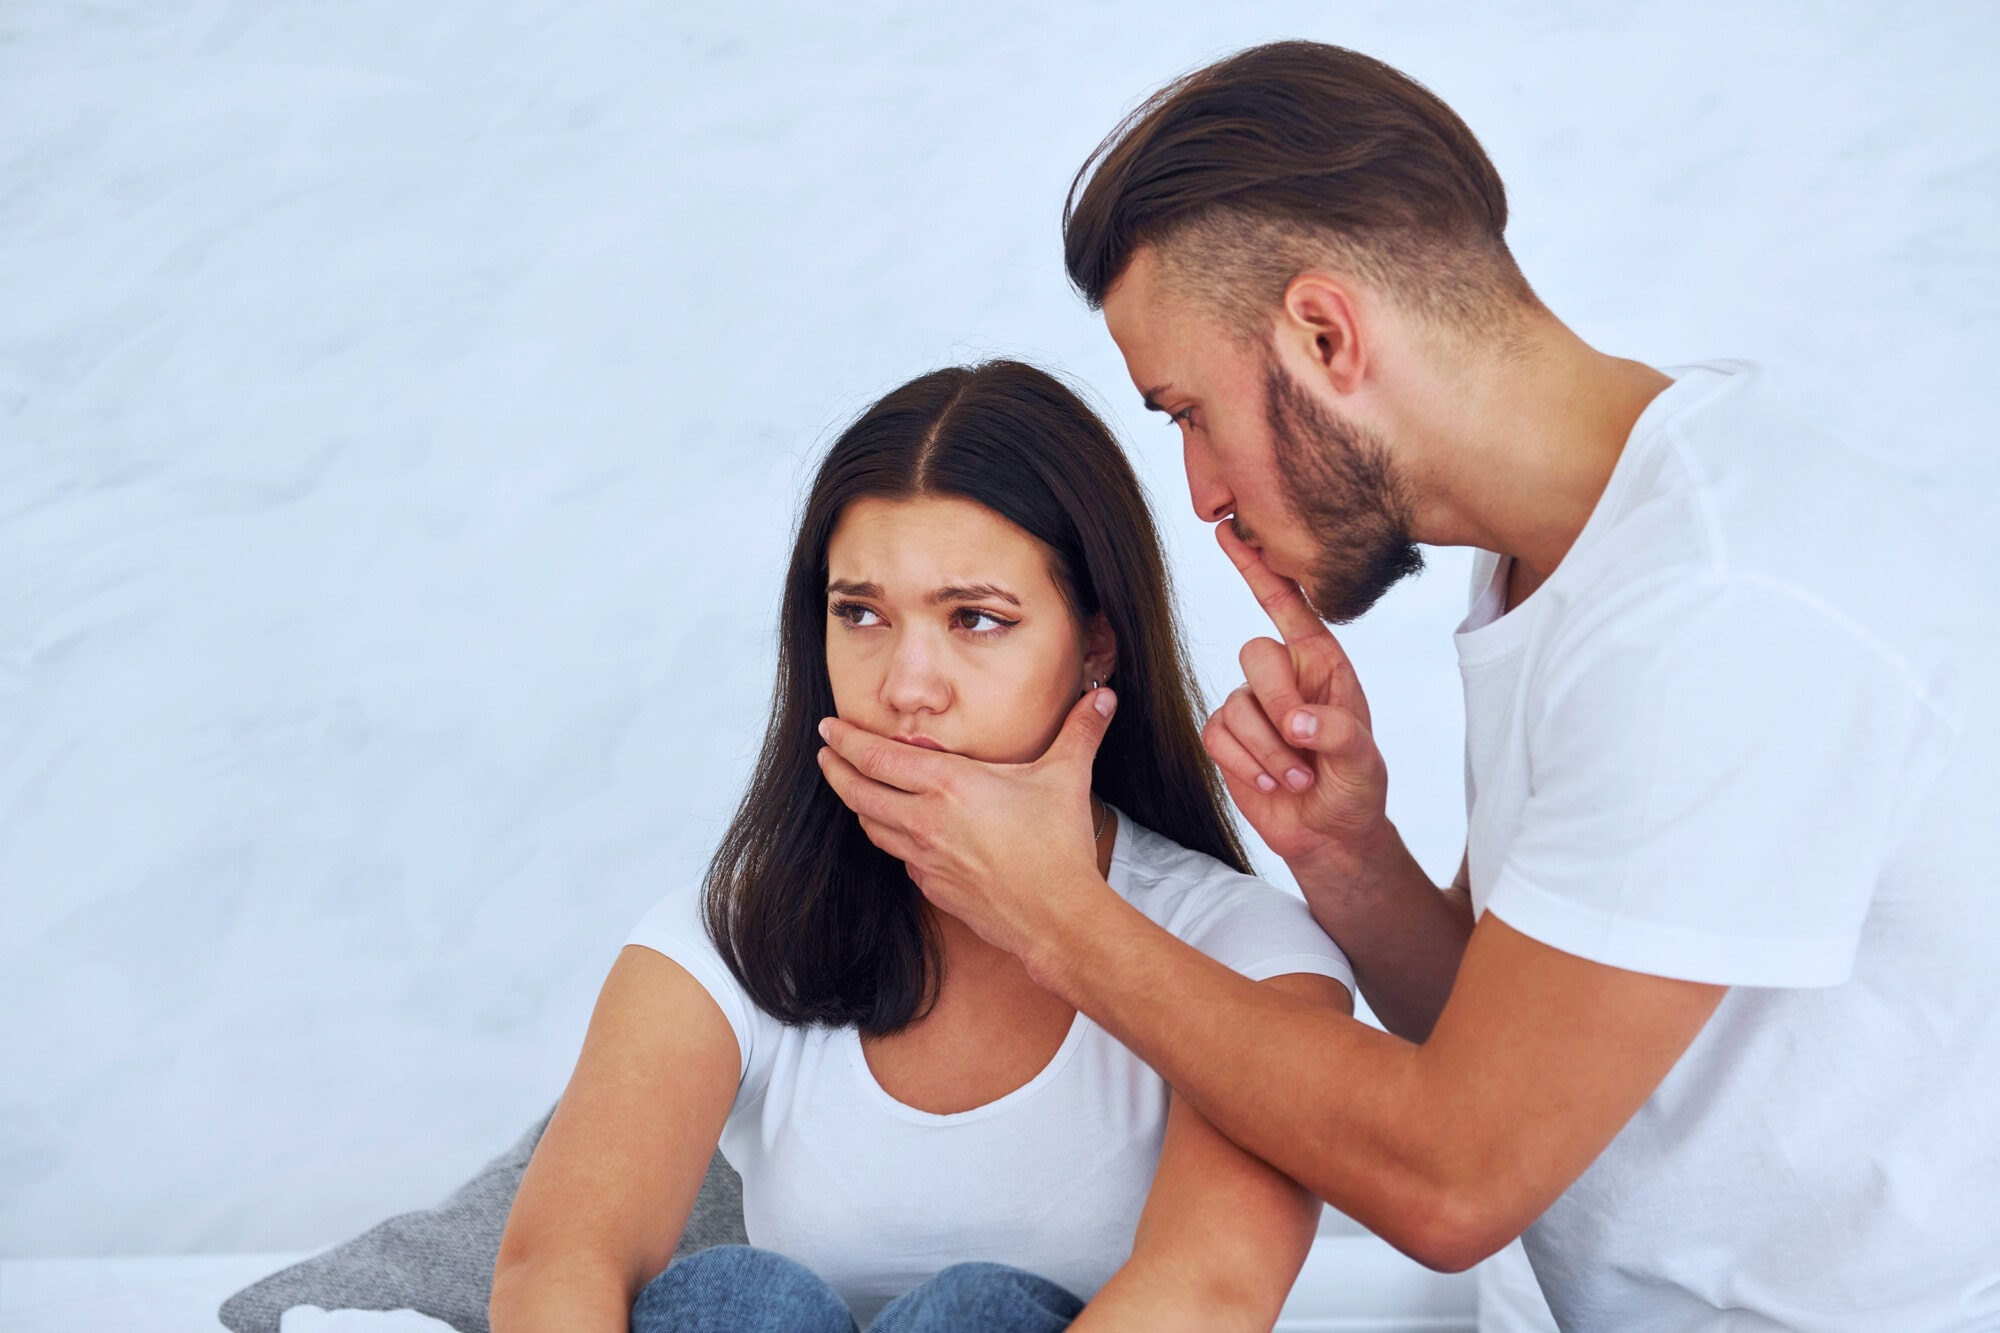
(401, 410)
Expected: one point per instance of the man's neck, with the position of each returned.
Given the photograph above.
(1529, 443)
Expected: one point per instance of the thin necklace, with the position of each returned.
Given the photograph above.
(1103, 813)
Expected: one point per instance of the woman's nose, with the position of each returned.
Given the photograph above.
(916, 682)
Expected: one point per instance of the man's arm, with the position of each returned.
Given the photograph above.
(1448, 1150)
(1403, 935)
(1531, 1059)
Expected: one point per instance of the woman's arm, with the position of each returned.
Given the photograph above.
(1223, 1235)
(603, 1202)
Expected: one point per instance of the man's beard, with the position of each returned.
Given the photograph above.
(1343, 487)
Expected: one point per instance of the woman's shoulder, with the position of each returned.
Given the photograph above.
(677, 928)
(1251, 925)
(675, 925)
(1163, 879)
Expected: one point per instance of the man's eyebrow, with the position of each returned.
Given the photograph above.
(853, 589)
(973, 592)
(1151, 397)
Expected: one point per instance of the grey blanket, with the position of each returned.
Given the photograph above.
(439, 1261)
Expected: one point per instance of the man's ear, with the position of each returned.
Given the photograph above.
(1319, 326)
(1100, 650)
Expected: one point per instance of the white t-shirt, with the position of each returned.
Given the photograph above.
(876, 1196)
(1748, 733)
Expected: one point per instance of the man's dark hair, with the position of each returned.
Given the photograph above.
(818, 924)
(1289, 156)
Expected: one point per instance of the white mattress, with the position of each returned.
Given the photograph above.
(1351, 1284)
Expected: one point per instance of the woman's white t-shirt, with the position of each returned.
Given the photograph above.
(876, 1196)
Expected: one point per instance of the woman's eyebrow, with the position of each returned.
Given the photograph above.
(853, 589)
(973, 592)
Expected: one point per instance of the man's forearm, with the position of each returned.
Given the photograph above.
(1328, 1100)
(1403, 935)
(1448, 1149)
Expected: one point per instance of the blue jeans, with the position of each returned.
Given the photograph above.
(742, 1289)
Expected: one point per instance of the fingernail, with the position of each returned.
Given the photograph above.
(1304, 725)
(1298, 779)
(1106, 701)
(822, 729)
(1265, 782)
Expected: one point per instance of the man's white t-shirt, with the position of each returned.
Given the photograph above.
(876, 1196)
(1747, 733)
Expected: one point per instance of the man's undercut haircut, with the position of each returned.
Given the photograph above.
(1291, 157)
(820, 925)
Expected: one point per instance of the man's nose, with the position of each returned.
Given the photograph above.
(1212, 498)
(916, 681)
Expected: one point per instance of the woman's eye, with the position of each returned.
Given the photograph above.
(980, 622)
(856, 614)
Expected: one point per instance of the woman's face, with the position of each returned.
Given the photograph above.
(945, 628)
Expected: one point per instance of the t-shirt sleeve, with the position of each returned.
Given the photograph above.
(1714, 778)
(675, 928)
(1261, 931)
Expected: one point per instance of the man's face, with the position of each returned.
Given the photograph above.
(1316, 492)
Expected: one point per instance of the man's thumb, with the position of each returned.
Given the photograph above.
(1083, 730)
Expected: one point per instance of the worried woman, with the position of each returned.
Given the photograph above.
(927, 1138)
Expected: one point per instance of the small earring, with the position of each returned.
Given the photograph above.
(1093, 682)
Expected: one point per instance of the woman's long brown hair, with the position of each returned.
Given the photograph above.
(821, 926)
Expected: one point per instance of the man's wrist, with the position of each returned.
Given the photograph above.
(1355, 875)
(1082, 912)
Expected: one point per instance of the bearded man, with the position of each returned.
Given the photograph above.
(1710, 1012)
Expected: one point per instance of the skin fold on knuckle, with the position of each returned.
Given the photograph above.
(1230, 758)
(1272, 599)
(881, 762)
(1242, 715)
(841, 780)
(1228, 753)
(1357, 744)
(1233, 751)
(949, 787)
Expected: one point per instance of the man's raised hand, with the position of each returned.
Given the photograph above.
(1294, 741)
(1003, 847)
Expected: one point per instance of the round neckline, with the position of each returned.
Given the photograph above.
(1047, 1074)
(1507, 630)
(888, 1102)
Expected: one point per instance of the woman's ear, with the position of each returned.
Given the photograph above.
(1100, 650)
